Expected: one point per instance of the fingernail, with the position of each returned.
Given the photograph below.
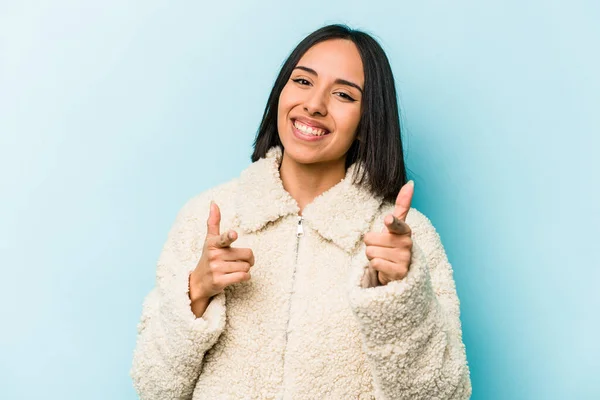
(411, 182)
(230, 235)
(387, 219)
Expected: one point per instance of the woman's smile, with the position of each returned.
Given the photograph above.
(308, 131)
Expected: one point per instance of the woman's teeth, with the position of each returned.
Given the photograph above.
(308, 130)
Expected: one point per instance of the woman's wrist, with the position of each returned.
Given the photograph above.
(199, 306)
(199, 302)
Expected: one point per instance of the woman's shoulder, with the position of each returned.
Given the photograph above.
(219, 193)
(223, 195)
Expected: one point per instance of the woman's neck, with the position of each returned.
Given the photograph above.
(304, 182)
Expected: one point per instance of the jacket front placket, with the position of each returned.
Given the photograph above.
(299, 238)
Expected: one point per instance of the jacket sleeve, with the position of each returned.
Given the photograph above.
(411, 328)
(171, 341)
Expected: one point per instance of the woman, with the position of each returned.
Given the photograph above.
(313, 277)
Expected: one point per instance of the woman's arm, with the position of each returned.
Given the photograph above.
(171, 341)
(411, 327)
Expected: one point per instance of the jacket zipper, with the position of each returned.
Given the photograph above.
(299, 234)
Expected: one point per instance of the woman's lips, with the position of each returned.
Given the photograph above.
(309, 127)
(307, 137)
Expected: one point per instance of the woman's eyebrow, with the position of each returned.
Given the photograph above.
(339, 81)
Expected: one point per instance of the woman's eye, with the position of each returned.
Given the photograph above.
(345, 96)
(301, 81)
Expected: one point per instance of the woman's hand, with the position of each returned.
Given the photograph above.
(389, 252)
(220, 265)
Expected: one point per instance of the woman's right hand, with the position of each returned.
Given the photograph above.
(220, 265)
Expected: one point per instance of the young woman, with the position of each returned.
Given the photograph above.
(313, 277)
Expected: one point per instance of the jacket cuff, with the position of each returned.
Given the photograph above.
(385, 312)
(188, 336)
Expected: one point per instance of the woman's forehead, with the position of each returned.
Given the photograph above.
(338, 58)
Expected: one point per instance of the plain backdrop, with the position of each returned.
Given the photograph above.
(113, 114)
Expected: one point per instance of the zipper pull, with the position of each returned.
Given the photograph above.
(300, 231)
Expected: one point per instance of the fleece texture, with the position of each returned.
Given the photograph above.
(303, 327)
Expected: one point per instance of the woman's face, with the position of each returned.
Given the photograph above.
(320, 106)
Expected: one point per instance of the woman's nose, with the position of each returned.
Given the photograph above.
(316, 103)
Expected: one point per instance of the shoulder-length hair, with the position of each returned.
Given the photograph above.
(379, 144)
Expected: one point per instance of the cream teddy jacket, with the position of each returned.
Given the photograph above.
(303, 327)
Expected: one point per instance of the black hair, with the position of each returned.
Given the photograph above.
(379, 144)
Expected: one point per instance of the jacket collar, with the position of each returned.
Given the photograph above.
(342, 214)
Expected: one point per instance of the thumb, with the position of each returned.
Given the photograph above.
(404, 200)
(370, 278)
(213, 225)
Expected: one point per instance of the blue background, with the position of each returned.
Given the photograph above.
(114, 114)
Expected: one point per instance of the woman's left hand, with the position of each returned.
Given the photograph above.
(389, 252)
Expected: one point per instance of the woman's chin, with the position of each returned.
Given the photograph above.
(298, 155)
